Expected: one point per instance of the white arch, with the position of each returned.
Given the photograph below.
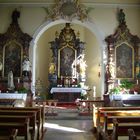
(88, 24)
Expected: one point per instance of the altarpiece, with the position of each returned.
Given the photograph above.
(14, 48)
(67, 50)
(66, 68)
(123, 57)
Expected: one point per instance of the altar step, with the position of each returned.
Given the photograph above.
(66, 105)
(66, 110)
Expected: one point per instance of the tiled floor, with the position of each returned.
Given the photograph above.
(68, 126)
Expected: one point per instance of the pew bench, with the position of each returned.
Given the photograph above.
(24, 111)
(98, 114)
(11, 123)
(132, 135)
(106, 124)
(121, 129)
(20, 114)
(8, 134)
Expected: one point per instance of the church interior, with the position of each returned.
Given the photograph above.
(77, 58)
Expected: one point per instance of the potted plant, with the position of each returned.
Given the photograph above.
(124, 88)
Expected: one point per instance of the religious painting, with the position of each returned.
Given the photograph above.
(66, 60)
(124, 61)
(12, 59)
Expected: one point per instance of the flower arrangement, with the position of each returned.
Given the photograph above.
(124, 87)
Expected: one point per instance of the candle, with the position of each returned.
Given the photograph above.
(18, 80)
(94, 91)
(94, 88)
(118, 81)
(94, 94)
(137, 82)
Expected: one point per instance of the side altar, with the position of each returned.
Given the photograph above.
(66, 94)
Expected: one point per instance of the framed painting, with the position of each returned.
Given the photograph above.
(124, 61)
(66, 58)
(12, 59)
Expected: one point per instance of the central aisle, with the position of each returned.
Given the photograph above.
(68, 125)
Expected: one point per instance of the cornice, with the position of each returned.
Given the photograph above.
(46, 4)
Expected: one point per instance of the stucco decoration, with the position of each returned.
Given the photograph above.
(68, 9)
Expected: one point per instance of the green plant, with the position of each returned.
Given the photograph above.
(126, 84)
(22, 90)
(123, 87)
(115, 90)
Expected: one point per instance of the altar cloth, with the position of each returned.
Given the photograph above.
(66, 90)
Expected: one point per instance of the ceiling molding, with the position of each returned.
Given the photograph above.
(40, 4)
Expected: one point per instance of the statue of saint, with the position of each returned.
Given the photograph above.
(26, 67)
(10, 81)
(121, 16)
(82, 66)
(52, 68)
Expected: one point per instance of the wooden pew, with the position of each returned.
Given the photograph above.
(39, 117)
(102, 120)
(121, 129)
(30, 114)
(98, 116)
(8, 134)
(25, 111)
(131, 134)
(127, 118)
(122, 126)
(11, 122)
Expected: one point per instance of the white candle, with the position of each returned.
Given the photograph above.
(137, 82)
(18, 80)
(94, 88)
(118, 81)
(94, 91)
(94, 94)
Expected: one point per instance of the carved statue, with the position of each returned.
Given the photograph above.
(10, 81)
(15, 16)
(26, 67)
(52, 68)
(82, 66)
(121, 17)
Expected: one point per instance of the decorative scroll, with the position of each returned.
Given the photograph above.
(68, 9)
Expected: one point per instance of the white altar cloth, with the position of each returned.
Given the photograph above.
(65, 90)
(21, 96)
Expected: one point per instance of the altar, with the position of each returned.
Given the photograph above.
(125, 99)
(13, 99)
(64, 94)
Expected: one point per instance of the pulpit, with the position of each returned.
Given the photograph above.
(66, 94)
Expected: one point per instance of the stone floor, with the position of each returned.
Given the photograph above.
(68, 125)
